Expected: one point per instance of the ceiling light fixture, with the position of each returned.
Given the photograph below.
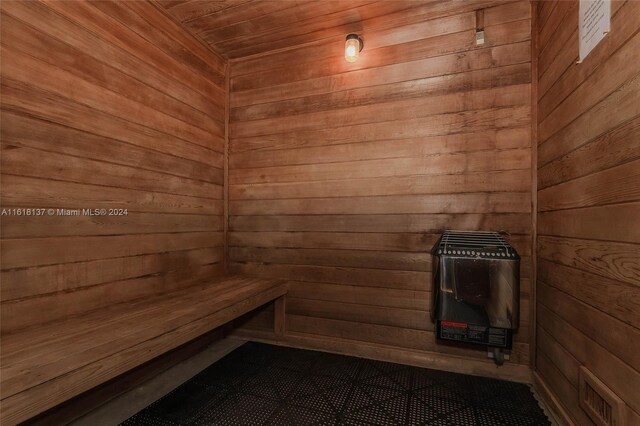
(352, 47)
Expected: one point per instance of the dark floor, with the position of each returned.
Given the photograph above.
(260, 384)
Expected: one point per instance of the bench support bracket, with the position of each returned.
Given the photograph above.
(279, 326)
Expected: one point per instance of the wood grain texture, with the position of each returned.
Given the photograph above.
(106, 105)
(47, 365)
(588, 247)
(290, 163)
(240, 28)
(343, 175)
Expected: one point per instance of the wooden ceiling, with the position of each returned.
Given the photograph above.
(238, 28)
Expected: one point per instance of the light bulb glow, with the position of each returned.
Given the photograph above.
(352, 49)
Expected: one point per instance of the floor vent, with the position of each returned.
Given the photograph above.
(603, 406)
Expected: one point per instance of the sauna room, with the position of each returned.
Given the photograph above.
(320, 212)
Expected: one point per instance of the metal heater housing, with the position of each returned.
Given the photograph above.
(476, 288)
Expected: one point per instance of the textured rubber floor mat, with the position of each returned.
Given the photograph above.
(260, 384)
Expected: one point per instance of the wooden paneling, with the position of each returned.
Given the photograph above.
(339, 176)
(239, 28)
(588, 289)
(106, 105)
(343, 175)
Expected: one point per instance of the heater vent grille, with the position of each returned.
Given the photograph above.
(602, 405)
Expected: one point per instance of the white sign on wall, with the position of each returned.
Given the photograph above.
(594, 24)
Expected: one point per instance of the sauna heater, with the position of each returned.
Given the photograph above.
(476, 289)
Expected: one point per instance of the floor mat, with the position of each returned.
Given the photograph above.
(259, 384)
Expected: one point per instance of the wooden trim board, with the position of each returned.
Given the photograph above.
(457, 364)
(226, 169)
(534, 182)
(551, 402)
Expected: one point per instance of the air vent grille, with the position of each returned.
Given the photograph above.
(602, 405)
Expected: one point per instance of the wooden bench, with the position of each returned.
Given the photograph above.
(46, 365)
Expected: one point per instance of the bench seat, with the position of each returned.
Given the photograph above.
(45, 365)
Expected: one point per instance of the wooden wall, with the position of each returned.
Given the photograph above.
(106, 105)
(588, 288)
(342, 176)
